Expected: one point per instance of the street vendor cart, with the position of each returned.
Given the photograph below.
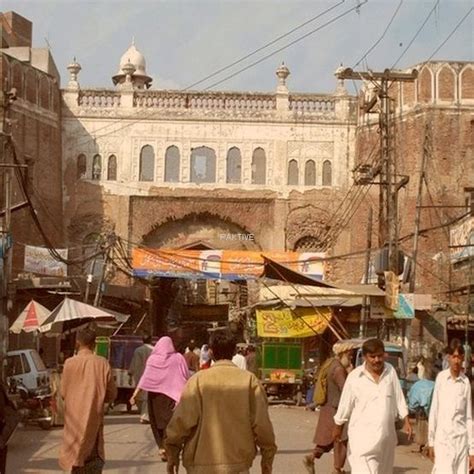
(281, 370)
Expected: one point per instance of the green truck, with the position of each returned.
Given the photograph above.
(281, 371)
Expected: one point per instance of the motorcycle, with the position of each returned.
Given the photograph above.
(33, 407)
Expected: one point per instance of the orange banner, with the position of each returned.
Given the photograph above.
(224, 264)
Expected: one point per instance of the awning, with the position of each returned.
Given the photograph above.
(72, 311)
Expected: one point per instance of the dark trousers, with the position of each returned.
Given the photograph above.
(160, 411)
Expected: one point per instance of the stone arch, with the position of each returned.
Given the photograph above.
(425, 85)
(172, 164)
(215, 231)
(446, 80)
(327, 173)
(112, 168)
(308, 243)
(147, 164)
(293, 178)
(466, 82)
(305, 221)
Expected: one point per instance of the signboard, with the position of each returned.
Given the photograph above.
(220, 264)
(461, 239)
(405, 308)
(392, 286)
(39, 260)
(205, 313)
(300, 322)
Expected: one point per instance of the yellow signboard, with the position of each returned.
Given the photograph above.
(300, 322)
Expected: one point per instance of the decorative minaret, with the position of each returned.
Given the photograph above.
(74, 68)
(282, 93)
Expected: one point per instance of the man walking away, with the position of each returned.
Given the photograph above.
(336, 376)
(86, 385)
(135, 372)
(239, 360)
(370, 400)
(221, 419)
(450, 436)
(192, 359)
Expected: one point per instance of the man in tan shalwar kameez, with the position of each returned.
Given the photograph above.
(86, 385)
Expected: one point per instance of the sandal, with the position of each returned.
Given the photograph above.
(163, 456)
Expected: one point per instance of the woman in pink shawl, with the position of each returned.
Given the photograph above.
(164, 378)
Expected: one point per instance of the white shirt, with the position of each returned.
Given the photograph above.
(240, 361)
(451, 411)
(371, 409)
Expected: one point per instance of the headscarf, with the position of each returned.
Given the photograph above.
(205, 356)
(166, 370)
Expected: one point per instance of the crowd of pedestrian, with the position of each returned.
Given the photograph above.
(209, 411)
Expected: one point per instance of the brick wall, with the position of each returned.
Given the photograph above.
(36, 133)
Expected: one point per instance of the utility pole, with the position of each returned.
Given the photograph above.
(386, 169)
(419, 198)
(364, 312)
(6, 100)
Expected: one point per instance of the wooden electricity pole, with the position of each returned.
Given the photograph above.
(386, 169)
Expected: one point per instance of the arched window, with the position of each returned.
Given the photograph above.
(96, 167)
(203, 165)
(147, 164)
(327, 173)
(112, 168)
(259, 164)
(81, 166)
(293, 173)
(234, 166)
(310, 173)
(172, 164)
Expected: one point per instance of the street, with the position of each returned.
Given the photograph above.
(130, 447)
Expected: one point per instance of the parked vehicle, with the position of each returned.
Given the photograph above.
(33, 406)
(26, 367)
(281, 370)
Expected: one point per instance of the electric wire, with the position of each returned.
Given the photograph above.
(416, 34)
(460, 22)
(264, 58)
(271, 43)
(153, 114)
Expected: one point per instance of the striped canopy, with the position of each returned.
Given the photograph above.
(31, 318)
(75, 311)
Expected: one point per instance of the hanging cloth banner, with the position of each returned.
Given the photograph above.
(220, 264)
(300, 322)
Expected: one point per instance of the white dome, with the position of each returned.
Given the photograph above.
(140, 78)
(132, 55)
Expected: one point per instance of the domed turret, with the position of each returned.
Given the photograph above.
(140, 78)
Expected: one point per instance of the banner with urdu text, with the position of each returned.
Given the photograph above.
(300, 322)
(220, 264)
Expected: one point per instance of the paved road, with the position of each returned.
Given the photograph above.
(130, 447)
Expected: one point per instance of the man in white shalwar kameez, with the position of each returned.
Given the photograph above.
(371, 400)
(450, 436)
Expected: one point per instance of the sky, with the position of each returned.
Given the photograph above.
(184, 41)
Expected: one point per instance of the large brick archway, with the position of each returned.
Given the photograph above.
(205, 228)
(166, 221)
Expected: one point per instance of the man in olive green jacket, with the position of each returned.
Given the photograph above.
(221, 419)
